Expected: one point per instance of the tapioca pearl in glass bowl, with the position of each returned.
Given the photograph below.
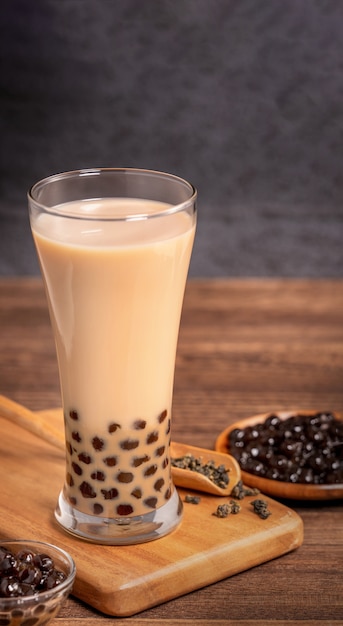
(35, 580)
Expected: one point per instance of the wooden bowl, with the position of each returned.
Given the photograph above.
(278, 488)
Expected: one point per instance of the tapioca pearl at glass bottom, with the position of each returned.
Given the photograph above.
(94, 500)
(98, 475)
(125, 477)
(124, 508)
(139, 460)
(99, 443)
(151, 497)
(88, 487)
(137, 425)
(110, 461)
(84, 459)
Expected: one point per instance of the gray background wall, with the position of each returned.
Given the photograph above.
(242, 97)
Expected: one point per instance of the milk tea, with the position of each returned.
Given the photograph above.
(115, 292)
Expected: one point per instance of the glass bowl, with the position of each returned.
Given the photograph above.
(42, 607)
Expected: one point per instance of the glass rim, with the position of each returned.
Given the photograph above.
(77, 173)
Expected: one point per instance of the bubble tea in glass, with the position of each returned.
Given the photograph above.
(114, 246)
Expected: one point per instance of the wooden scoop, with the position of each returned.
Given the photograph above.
(189, 479)
(40, 426)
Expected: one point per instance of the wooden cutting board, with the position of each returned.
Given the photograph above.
(124, 580)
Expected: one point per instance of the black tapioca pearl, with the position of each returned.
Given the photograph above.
(125, 477)
(110, 461)
(69, 480)
(150, 471)
(113, 427)
(74, 415)
(139, 424)
(69, 447)
(165, 463)
(159, 484)
(72, 501)
(87, 490)
(77, 469)
(110, 494)
(137, 493)
(168, 493)
(97, 443)
(85, 458)
(139, 460)
(98, 475)
(160, 451)
(162, 416)
(76, 436)
(152, 437)
(129, 444)
(98, 508)
(168, 427)
(124, 509)
(151, 502)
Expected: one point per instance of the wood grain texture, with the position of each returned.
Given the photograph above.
(246, 347)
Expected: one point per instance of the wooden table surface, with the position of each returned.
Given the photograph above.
(246, 346)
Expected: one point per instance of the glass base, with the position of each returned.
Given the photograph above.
(120, 530)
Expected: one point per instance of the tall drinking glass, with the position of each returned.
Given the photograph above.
(114, 246)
